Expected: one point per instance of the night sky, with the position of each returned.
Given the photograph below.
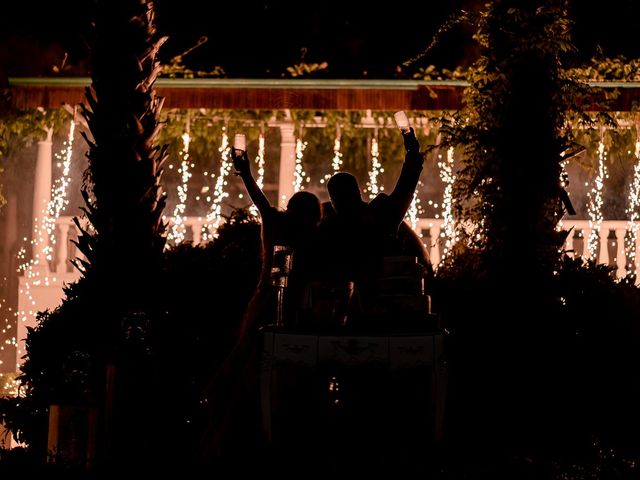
(262, 38)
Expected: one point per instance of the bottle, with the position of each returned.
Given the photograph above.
(280, 270)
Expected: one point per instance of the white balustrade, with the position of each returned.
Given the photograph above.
(432, 227)
(428, 227)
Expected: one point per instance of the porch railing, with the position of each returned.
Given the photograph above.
(612, 248)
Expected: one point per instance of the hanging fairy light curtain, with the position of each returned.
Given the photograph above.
(376, 168)
(260, 164)
(336, 162)
(55, 207)
(178, 229)
(59, 198)
(299, 174)
(632, 210)
(447, 176)
(595, 199)
(214, 216)
(413, 212)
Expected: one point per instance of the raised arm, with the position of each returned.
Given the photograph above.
(243, 169)
(402, 195)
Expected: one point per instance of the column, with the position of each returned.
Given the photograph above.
(42, 197)
(287, 163)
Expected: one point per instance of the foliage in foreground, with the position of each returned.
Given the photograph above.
(172, 350)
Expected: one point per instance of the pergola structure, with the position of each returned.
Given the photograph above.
(231, 94)
(303, 94)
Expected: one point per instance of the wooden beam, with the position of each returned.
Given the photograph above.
(251, 98)
(381, 95)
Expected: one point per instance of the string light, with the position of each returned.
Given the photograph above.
(595, 201)
(336, 162)
(214, 217)
(59, 192)
(376, 169)
(35, 274)
(299, 174)
(632, 211)
(413, 211)
(260, 178)
(564, 183)
(9, 386)
(448, 178)
(178, 229)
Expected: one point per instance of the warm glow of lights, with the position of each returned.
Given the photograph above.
(44, 237)
(214, 217)
(632, 211)
(59, 198)
(336, 162)
(299, 174)
(9, 386)
(413, 212)
(376, 169)
(178, 228)
(448, 178)
(260, 163)
(595, 201)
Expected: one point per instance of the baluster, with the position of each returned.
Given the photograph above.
(62, 247)
(77, 253)
(603, 255)
(621, 256)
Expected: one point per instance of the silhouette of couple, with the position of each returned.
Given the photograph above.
(343, 241)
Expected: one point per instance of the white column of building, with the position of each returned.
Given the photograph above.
(33, 294)
(41, 198)
(287, 162)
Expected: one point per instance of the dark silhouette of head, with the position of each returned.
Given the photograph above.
(344, 192)
(304, 208)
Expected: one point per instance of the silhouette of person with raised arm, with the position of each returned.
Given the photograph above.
(359, 234)
(296, 227)
(233, 391)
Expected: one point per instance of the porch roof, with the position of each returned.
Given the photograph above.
(308, 94)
